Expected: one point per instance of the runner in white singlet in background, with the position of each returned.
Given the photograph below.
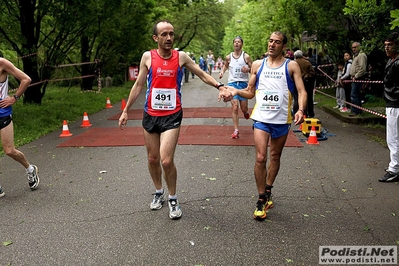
(210, 60)
(239, 64)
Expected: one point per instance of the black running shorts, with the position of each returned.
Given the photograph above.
(5, 121)
(159, 124)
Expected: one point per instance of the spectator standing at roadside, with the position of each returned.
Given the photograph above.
(289, 54)
(308, 78)
(340, 91)
(391, 97)
(308, 56)
(239, 65)
(358, 71)
(345, 77)
(202, 63)
(161, 69)
(6, 123)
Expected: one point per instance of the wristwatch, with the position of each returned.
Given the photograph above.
(219, 84)
(17, 97)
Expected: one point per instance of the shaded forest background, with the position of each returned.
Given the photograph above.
(49, 39)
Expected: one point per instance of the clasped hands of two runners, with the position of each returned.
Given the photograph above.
(227, 94)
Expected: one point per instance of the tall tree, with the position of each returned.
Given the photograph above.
(48, 33)
(114, 31)
(42, 33)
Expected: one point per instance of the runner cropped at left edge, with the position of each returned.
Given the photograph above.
(161, 70)
(6, 123)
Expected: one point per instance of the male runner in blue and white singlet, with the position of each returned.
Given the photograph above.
(272, 81)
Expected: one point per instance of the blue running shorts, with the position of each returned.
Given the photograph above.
(275, 130)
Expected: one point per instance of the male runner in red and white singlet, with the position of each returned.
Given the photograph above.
(162, 69)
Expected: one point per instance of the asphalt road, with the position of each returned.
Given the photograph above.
(92, 207)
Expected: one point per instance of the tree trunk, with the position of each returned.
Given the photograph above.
(27, 10)
(33, 94)
(87, 83)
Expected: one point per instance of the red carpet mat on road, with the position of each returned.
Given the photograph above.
(189, 135)
(207, 112)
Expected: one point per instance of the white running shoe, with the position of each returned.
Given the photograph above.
(157, 201)
(174, 209)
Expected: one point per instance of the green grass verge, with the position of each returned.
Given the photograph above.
(372, 103)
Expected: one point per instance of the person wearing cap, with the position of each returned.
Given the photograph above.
(308, 77)
(239, 65)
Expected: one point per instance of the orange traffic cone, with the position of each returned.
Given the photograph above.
(65, 131)
(312, 137)
(108, 105)
(85, 122)
(123, 104)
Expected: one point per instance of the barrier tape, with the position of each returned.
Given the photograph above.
(99, 81)
(26, 55)
(52, 80)
(76, 64)
(325, 87)
(67, 65)
(348, 81)
(325, 74)
(362, 81)
(326, 65)
(358, 107)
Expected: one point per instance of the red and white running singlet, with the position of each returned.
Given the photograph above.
(163, 95)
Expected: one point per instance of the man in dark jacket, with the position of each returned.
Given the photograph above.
(391, 96)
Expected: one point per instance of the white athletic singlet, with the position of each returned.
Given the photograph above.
(274, 88)
(4, 94)
(209, 59)
(235, 65)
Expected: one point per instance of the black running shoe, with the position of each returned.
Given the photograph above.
(389, 177)
(2, 194)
